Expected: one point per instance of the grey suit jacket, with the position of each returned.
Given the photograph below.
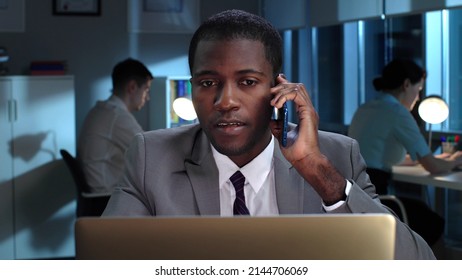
(172, 172)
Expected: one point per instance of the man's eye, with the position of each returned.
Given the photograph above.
(207, 83)
(249, 82)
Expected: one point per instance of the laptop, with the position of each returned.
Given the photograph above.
(302, 237)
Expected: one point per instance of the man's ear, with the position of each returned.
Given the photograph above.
(407, 83)
(131, 87)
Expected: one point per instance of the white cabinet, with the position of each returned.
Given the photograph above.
(37, 194)
(6, 173)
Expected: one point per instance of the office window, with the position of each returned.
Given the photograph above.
(443, 35)
(443, 43)
(328, 68)
(454, 59)
(347, 57)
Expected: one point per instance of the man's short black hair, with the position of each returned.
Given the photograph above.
(130, 69)
(237, 24)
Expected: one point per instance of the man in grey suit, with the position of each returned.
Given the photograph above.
(235, 58)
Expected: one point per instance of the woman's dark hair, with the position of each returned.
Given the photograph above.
(237, 24)
(396, 72)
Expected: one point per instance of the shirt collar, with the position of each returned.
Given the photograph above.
(118, 102)
(390, 98)
(255, 171)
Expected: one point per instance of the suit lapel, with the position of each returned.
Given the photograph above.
(289, 185)
(203, 174)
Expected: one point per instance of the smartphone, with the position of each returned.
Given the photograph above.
(282, 114)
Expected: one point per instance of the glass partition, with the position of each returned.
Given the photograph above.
(329, 72)
(454, 60)
(349, 56)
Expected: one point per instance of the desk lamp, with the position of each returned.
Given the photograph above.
(184, 108)
(433, 110)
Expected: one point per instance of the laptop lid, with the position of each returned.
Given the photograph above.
(320, 237)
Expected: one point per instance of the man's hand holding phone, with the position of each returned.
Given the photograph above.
(302, 149)
(303, 140)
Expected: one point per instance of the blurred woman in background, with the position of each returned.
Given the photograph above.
(389, 135)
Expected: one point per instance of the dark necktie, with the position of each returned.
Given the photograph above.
(238, 181)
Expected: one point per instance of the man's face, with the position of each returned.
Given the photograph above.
(231, 82)
(141, 95)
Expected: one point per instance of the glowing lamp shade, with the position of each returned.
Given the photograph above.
(433, 109)
(184, 108)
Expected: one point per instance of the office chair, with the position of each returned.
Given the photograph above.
(396, 205)
(414, 212)
(381, 181)
(88, 204)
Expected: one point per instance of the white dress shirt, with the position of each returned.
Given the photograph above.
(105, 135)
(259, 186)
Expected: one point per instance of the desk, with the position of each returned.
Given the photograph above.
(418, 175)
